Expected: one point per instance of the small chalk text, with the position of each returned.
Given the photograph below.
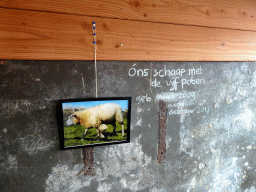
(191, 96)
(180, 110)
(133, 72)
(143, 99)
(203, 109)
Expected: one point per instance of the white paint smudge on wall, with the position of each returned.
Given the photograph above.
(9, 164)
(127, 158)
(32, 145)
(226, 178)
(83, 82)
(35, 142)
(235, 89)
(186, 140)
(12, 162)
(126, 162)
(245, 118)
(253, 189)
(139, 122)
(154, 190)
(217, 153)
(104, 187)
(201, 165)
(193, 182)
(168, 141)
(63, 178)
(236, 125)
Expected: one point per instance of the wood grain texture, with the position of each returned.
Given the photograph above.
(50, 36)
(233, 14)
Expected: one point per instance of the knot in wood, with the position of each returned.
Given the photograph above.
(135, 3)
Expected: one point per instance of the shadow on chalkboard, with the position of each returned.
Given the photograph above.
(59, 116)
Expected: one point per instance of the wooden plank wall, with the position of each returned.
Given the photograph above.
(167, 30)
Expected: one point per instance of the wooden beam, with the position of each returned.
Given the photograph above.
(233, 14)
(50, 36)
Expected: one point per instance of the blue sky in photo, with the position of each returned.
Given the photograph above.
(87, 104)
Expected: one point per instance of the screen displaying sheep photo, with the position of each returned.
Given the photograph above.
(95, 122)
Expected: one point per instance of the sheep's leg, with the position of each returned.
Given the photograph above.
(102, 136)
(99, 133)
(122, 130)
(85, 134)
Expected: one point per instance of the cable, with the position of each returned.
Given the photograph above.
(95, 49)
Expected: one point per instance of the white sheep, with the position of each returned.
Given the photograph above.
(97, 117)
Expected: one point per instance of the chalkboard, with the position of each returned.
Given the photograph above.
(192, 126)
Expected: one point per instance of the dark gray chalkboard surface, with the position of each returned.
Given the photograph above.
(209, 141)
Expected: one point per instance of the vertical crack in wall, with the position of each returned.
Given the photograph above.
(88, 160)
(162, 132)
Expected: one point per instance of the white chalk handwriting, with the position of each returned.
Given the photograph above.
(177, 81)
(181, 104)
(133, 72)
(167, 72)
(177, 96)
(180, 110)
(176, 78)
(203, 109)
(142, 99)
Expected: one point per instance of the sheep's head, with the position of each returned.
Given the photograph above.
(72, 120)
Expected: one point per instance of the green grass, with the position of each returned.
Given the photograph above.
(73, 135)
